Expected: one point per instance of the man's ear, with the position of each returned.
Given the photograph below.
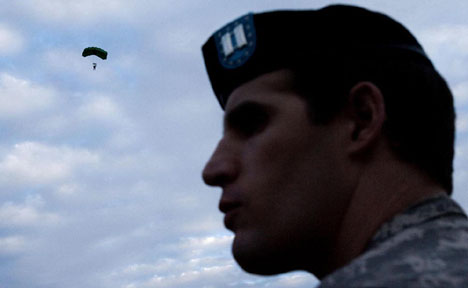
(366, 112)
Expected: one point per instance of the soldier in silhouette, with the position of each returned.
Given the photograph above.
(337, 150)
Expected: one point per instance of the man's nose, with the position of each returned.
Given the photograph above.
(222, 168)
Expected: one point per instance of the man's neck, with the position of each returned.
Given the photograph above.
(383, 191)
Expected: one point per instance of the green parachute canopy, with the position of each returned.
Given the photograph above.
(101, 53)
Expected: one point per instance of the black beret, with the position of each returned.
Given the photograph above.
(255, 44)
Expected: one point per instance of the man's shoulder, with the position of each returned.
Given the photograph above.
(427, 246)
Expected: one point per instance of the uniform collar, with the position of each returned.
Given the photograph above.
(423, 211)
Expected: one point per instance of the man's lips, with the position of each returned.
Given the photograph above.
(226, 205)
(230, 208)
(230, 219)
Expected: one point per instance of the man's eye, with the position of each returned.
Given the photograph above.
(251, 123)
(247, 119)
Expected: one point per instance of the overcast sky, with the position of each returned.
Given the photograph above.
(100, 171)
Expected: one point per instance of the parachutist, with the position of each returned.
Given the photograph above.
(95, 51)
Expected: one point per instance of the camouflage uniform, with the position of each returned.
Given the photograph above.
(425, 246)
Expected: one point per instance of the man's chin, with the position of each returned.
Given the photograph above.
(258, 260)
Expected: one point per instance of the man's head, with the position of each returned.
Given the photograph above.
(309, 97)
(278, 175)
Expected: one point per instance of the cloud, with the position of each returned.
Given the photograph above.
(462, 124)
(19, 97)
(195, 277)
(67, 64)
(11, 40)
(26, 214)
(89, 12)
(447, 46)
(102, 112)
(175, 273)
(199, 245)
(72, 11)
(12, 244)
(191, 266)
(298, 279)
(179, 39)
(453, 36)
(67, 189)
(201, 262)
(101, 108)
(460, 93)
(36, 163)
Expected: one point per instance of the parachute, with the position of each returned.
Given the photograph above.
(101, 53)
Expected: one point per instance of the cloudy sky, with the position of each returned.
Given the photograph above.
(100, 170)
